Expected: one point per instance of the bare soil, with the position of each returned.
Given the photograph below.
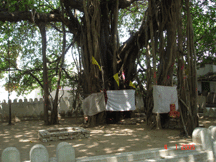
(107, 139)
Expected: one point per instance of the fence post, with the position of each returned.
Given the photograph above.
(10, 154)
(212, 132)
(39, 153)
(65, 152)
(202, 136)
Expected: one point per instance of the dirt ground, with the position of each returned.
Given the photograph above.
(107, 139)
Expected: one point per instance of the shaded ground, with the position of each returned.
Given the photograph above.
(107, 139)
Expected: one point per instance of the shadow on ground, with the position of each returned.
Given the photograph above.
(107, 139)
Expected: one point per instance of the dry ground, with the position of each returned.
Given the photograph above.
(106, 139)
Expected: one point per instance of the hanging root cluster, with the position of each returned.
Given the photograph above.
(167, 31)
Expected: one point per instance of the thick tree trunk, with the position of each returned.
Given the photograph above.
(181, 67)
(98, 38)
(92, 49)
(192, 71)
(54, 115)
(168, 21)
(42, 27)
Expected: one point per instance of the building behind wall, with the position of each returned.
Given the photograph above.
(207, 83)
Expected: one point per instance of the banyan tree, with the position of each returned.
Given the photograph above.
(165, 35)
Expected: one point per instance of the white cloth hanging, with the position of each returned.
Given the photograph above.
(121, 100)
(164, 96)
(94, 104)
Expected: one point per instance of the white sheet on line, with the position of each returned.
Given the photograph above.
(120, 100)
(164, 96)
(94, 104)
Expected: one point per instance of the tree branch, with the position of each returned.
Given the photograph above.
(16, 16)
(27, 16)
(26, 72)
(78, 4)
(56, 28)
(126, 3)
(68, 76)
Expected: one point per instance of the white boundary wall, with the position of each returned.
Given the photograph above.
(34, 108)
(30, 108)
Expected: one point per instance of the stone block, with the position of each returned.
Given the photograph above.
(65, 152)
(211, 112)
(53, 138)
(73, 133)
(205, 112)
(63, 137)
(202, 136)
(39, 153)
(62, 134)
(44, 140)
(44, 133)
(78, 134)
(72, 137)
(212, 132)
(214, 149)
(82, 136)
(52, 134)
(10, 154)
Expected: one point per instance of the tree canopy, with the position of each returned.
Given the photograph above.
(160, 34)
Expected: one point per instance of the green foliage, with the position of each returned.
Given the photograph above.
(25, 40)
(26, 57)
(130, 18)
(204, 18)
(9, 48)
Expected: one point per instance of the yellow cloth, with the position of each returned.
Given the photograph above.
(131, 84)
(94, 62)
(116, 78)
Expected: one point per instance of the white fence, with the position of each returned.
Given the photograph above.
(31, 108)
(35, 108)
(38, 153)
(204, 144)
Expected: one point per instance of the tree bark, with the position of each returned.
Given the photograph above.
(42, 27)
(98, 32)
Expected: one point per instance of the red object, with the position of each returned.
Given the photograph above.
(173, 113)
(172, 64)
(172, 107)
(154, 74)
(182, 67)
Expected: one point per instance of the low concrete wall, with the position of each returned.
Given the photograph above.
(201, 101)
(23, 109)
(211, 98)
(30, 108)
(35, 108)
(209, 112)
